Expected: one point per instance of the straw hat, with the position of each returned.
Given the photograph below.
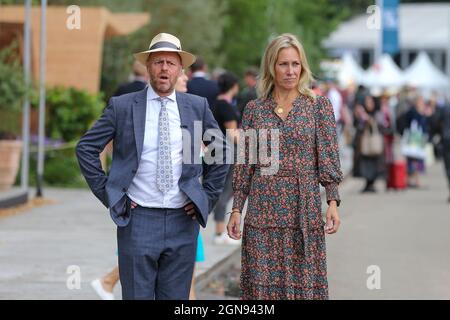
(165, 42)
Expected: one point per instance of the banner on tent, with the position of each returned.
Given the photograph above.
(390, 26)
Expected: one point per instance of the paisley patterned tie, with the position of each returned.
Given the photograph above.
(164, 179)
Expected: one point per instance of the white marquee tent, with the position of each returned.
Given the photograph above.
(424, 74)
(383, 74)
(349, 71)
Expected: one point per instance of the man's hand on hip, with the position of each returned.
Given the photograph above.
(190, 210)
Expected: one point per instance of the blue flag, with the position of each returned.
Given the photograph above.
(390, 26)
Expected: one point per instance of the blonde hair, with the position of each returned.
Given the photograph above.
(267, 75)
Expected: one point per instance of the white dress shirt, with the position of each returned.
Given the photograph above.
(143, 189)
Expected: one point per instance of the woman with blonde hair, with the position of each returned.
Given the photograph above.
(283, 240)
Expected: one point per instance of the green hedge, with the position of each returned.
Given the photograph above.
(12, 90)
(70, 112)
(60, 170)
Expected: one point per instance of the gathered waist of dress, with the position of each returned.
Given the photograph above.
(285, 172)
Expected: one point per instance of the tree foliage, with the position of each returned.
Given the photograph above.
(251, 24)
(197, 23)
(12, 91)
(230, 34)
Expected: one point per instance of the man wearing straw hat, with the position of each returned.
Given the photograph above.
(153, 189)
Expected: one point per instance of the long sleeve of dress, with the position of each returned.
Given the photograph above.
(243, 172)
(330, 174)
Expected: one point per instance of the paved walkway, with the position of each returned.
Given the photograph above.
(400, 236)
(404, 233)
(39, 245)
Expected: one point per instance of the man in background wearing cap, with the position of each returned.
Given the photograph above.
(153, 189)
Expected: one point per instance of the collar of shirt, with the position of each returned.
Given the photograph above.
(152, 95)
(199, 74)
(139, 78)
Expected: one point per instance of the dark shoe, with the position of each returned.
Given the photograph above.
(368, 189)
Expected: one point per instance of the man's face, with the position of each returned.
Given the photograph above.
(250, 81)
(164, 68)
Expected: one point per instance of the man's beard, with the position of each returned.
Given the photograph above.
(163, 88)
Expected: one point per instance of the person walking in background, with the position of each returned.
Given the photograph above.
(249, 92)
(443, 127)
(283, 241)
(335, 97)
(104, 286)
(357, 107)
(367, 125)
(199, 84)
(154, 194)
(138, 81)
(227, 118)
(416, 131)
(199, 257)
(387, 129)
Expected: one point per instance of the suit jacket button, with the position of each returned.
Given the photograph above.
(124, 189)
(133, 171)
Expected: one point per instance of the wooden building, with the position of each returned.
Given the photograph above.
(74, 56)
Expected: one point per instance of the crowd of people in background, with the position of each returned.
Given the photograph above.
(394, 135)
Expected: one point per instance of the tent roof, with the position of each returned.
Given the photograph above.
(384, 74)
(349, 71)
(423, 74)
(421, 26)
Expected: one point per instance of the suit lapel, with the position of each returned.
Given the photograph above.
(185, 109)
(139, 115)
(184, 106)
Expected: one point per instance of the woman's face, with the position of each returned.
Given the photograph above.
(420, 104)
(369, 104)
(288, 69)
(235, 90)
(181, 85)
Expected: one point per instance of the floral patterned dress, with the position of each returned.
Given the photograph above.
(283, 244)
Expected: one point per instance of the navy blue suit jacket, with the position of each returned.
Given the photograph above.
(204, 88)
(123, 121)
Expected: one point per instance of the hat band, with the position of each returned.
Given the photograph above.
(164, 44)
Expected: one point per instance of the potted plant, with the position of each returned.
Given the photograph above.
(12, 90)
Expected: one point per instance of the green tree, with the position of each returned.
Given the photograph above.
(197, 23)
(251, 24)
(245, 33)
(12, 91)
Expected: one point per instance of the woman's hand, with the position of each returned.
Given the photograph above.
(234, 225)
(333, 220)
